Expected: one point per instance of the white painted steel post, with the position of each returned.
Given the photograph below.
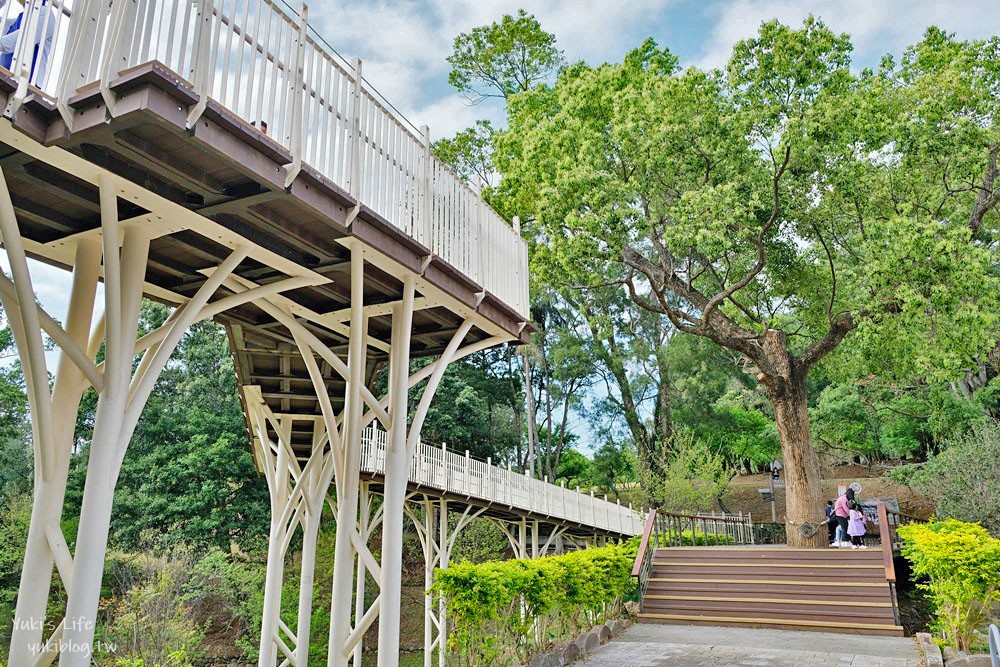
(395, 479)
(50, 489)
(298, 92)
(75, 69)
(202, 71)
(431, 552)
(313, 495)
(347, 486)
(354, 123)
(274, 573)
(427, 191)
(123, 276)
(468, 478)
(359, 596)
(444, 557)
(444, 465)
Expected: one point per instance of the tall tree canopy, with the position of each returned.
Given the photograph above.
(503, 58)
(778, 207)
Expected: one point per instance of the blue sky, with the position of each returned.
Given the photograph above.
(404, 43)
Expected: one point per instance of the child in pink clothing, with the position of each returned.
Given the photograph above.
(856, 526)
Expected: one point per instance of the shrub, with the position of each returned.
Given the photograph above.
(701, 539)
(687, 477)
(961, 563)
(230, 590)
(526, 603)
(13, 535)
(962, 480)
(147, 621)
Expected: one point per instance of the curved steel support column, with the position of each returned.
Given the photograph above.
(396, 476)
(122, 393)
(44, 535)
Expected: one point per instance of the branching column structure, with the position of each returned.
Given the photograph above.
(118, 252)
(298, 491)
(525, 537)
(437, 539)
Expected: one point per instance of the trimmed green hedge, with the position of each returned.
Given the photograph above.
(503, 612)
(961, 564)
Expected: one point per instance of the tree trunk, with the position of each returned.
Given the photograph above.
(803, 488)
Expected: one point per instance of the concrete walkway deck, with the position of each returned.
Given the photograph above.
(647, 645)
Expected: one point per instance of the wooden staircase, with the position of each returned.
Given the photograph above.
(824, 590)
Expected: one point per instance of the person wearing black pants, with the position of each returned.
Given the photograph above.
(841, 509)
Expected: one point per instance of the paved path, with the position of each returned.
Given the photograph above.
(647, 645)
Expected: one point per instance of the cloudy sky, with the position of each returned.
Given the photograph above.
(404, 44)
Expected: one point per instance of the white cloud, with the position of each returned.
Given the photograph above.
(876, 26)
(451, 114)
(404, 45)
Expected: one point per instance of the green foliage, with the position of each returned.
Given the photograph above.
(13, 534)
(188, 477)
(481, 540)
(474, 407)
(495, 605)
(503, 58)
(784, 208)
(470, 153)
(232, 589)
(150, 623)
(961, 562)
(963, 479)
(697, 538)
(614, 466)
(689, 478)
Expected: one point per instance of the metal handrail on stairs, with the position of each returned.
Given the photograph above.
(994, 637)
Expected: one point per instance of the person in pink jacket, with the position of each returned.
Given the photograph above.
(842, 511)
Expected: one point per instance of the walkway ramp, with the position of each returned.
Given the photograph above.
(765, 586)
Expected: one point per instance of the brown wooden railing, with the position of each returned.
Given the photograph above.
(888, 521)
(669, 529)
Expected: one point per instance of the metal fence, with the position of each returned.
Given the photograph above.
(449, 472)
(265, 64)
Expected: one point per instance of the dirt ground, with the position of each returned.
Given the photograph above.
(743, 494)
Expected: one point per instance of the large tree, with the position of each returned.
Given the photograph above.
(778, 207)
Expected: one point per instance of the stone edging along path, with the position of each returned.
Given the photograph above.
(587, 641)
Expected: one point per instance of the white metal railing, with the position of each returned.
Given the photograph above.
(448, 472)
(262, 62)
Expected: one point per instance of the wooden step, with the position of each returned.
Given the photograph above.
(757, 599)
(770, 555)
(776, 571)
(774, 623)
(807, 590)
(778, 609)
(826, 590)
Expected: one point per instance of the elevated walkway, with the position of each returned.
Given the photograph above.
(501, 493)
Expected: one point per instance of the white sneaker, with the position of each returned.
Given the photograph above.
(855, 546)
(834, 544)
(863, 546)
